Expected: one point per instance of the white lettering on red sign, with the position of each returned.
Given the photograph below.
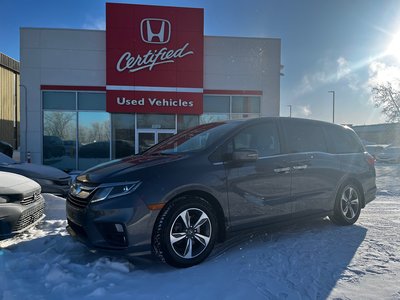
(152, 58)
(155, 102)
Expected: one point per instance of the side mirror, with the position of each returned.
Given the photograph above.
(246, 155)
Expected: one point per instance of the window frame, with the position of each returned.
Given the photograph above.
(230, 114)
(285, 133)
(76, 111)
(221, 158)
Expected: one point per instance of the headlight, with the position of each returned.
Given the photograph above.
(114, 190)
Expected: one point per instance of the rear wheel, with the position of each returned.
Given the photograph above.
(347, 205)
(186, 231)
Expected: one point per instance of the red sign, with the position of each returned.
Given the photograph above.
(154, 59)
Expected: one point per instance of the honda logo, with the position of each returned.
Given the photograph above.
(155, 31)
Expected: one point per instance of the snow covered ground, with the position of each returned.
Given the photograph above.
(308, 260)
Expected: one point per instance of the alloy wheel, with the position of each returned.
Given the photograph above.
(349, 203)
(190, 233)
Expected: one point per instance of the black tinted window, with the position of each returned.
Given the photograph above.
(263, 137)
(343, 140)
(305, 137)
(191, 140)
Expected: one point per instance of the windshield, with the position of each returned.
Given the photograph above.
(5, 160)
(192, 140)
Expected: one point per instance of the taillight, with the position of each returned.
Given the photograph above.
(370, 159)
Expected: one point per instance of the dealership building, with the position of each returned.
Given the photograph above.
(92, 95)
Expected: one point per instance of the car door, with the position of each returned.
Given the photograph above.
(315, 171)
(258, 191)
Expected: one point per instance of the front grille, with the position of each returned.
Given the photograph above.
(29, 217)
(78, 202)
(31, 199)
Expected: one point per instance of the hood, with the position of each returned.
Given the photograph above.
(117, 170)
(35, 171)
(16, 184)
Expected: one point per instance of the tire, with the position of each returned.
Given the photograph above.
(347, 205)
(185, 233)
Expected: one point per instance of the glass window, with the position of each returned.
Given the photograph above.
(343, 140)
(262, 137)
(156, 121)
(208, 118)
(305, 137)
(59, 139)
(216, 104)
(245, 104)
(59, 100)
(187, 121)
(91, 101)
(94, 139)
(195, 139)
(123, 135)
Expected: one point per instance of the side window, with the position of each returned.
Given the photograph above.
(262, 137)
(343, 140)
(305, 137)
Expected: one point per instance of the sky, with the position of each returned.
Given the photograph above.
(340, 45)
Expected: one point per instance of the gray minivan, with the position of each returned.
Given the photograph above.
(180, 197)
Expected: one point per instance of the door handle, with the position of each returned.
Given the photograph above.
(300, 167)
(282, 170)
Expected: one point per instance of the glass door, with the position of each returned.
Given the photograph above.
(145, 138)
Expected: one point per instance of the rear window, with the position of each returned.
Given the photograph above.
(305, 137)
(343, 140)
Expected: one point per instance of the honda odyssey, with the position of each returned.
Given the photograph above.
(181, 196)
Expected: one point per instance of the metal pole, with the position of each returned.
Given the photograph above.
(290, 110)
(333, 105)
(26, 121)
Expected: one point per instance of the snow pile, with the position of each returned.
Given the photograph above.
(307, 260)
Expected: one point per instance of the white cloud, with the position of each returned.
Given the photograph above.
(95, 23)
(303, 111)
(331, 72)
(345, 72)
(305, 86)
(381, 73)
(310, 82)
(343, 68)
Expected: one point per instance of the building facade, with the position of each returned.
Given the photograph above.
(388, 133)
(9, 100)
(99, 95)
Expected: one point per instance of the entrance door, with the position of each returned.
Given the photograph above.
(145, 138)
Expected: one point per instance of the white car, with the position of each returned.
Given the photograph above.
(21, 204)
(389, 154)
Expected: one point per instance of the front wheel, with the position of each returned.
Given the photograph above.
(347, 206)
(186, 231)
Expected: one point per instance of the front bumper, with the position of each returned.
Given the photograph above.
(16, 218)
(120, 225)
